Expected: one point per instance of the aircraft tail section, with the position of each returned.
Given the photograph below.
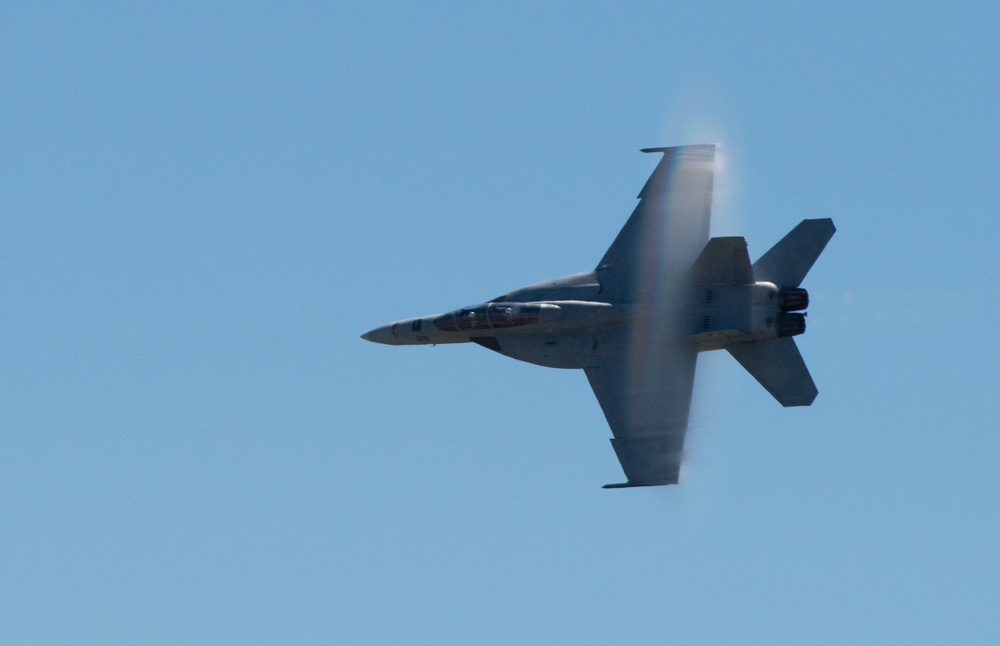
(723, 261)
(788, 262)
(778, 366)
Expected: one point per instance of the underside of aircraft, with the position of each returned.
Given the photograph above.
(663, 292)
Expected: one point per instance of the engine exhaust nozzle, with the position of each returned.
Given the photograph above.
(791, 324)
(793, 299)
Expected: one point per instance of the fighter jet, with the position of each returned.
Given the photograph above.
(662, 293)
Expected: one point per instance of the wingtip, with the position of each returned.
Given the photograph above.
(629, 485)
(663, 149)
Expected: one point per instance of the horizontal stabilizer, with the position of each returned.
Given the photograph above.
(788, 262)
(723, 261)
(778, 366)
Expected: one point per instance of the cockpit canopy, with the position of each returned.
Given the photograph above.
(491, 316)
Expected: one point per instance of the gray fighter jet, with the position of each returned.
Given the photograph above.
(661, 294)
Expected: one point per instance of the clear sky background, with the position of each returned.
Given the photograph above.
(204, 205)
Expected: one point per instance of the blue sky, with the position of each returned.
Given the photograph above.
(203, 207)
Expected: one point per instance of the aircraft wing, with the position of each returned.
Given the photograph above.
(645, 393)
(645, 375)
(667, 230)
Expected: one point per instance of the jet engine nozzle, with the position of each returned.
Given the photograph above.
(793, 299)
(791, 324)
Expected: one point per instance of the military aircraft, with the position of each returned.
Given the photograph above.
(662, 293)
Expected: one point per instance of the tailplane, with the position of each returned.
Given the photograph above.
(788, 262)
(778, 366)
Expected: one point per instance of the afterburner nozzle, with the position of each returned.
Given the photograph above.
(793, 299)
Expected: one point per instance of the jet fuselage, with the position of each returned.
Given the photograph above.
(714, 317)
(662, 292)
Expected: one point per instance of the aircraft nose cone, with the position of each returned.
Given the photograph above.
(379, 335)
